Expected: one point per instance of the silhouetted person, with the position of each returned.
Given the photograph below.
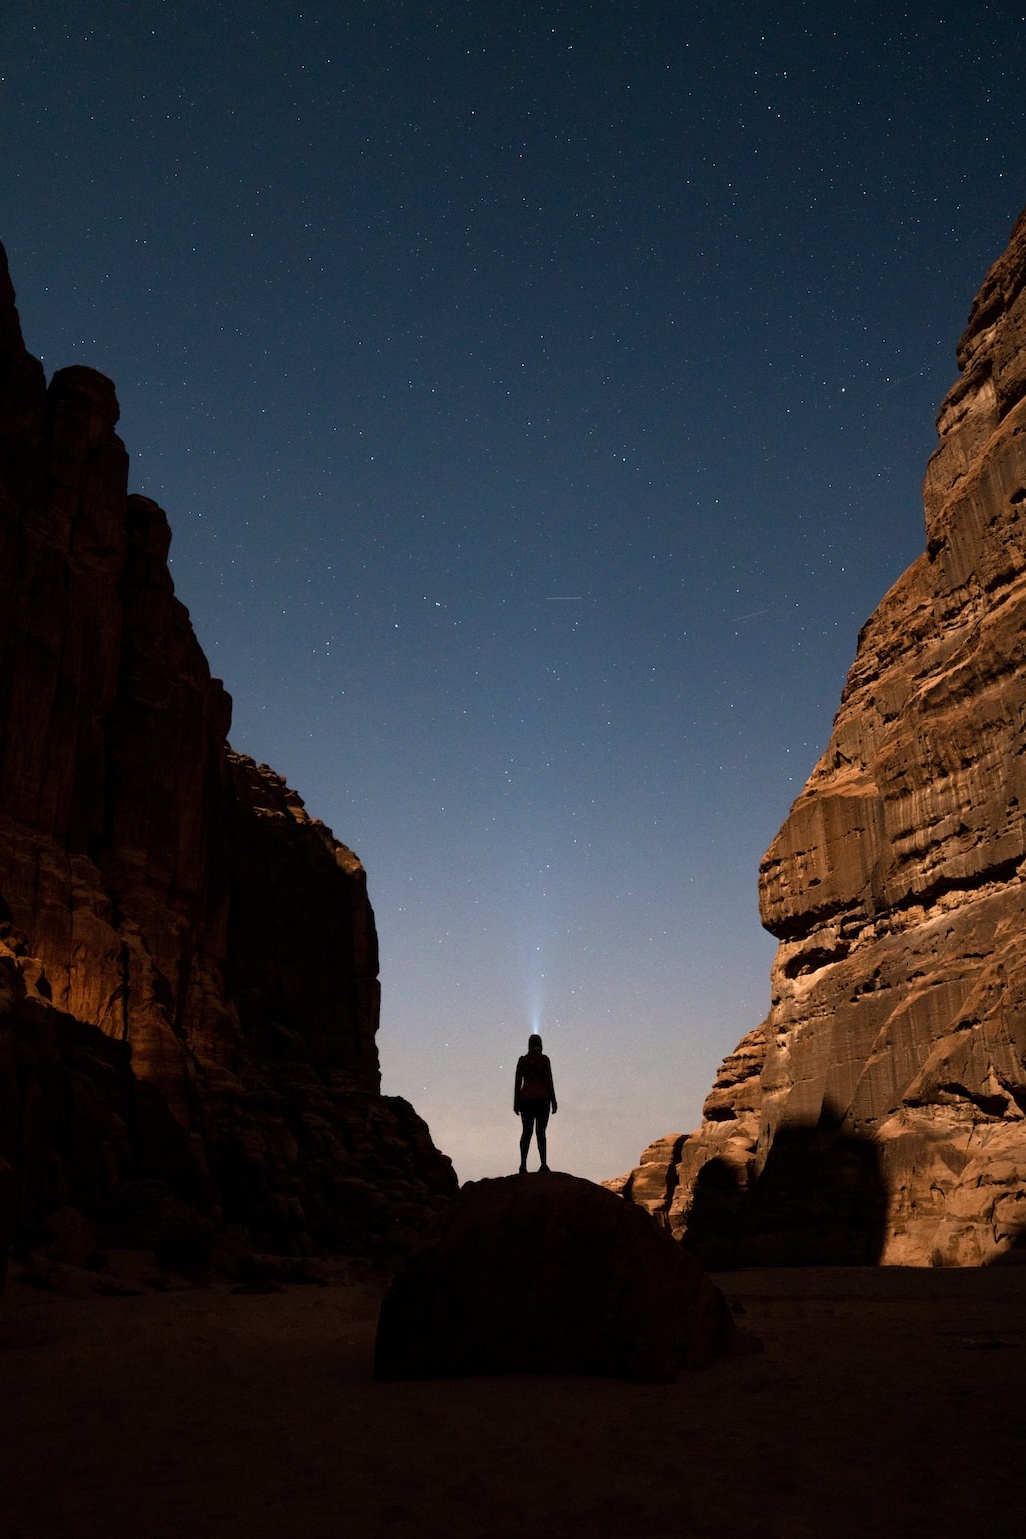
(533, 1098)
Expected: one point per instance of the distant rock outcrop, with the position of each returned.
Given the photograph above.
(188, 962)
(548, 1274)
(896, 888)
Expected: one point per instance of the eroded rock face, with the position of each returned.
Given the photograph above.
(170, 897)
(548, 1274)
(896, 885)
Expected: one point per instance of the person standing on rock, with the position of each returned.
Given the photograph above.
(533, 1099)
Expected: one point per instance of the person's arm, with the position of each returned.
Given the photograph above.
(552, 1092)
(517, 1078)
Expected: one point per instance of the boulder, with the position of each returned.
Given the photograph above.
(6, 1216)
(548, 1273)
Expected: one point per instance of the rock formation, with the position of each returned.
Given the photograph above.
(188, 961)
(548, 1274)
(895, 1049)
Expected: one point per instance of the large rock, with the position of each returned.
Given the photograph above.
(548, 1274)
(896, 886)
(169, 896)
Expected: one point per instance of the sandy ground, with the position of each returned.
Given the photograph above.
(884, 1402)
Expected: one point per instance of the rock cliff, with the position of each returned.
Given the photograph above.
(188, 961)
(880, 1110)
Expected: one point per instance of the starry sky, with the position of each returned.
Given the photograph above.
(540, 395)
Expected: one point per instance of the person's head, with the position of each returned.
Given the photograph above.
(534, 1043)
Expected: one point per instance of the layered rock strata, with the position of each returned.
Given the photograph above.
(168, 910)
(880, 1110)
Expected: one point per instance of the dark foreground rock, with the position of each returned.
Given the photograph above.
(549, 1274)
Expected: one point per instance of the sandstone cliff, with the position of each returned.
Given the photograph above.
(880, 1110)
(188, 993)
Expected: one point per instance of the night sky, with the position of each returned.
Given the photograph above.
(540, 396)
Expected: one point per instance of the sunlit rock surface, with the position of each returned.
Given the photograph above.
(896, 889)
(162, 893)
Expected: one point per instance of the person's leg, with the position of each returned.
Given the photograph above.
(541, 1122)
(527, 1118)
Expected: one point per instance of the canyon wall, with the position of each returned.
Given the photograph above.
(188, 961)
(879, 1112)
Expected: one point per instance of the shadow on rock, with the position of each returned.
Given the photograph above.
(1013, 1252)
(549, 1274)
(820, 1200)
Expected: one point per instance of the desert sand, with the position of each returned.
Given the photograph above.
(882, 1402)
